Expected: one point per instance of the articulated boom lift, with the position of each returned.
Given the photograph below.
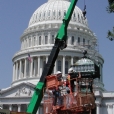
(60, 43)
(82, 103)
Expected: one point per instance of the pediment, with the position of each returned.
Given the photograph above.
(21, 90)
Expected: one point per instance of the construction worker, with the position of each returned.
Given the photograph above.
(57, 96)
(59, 75)
(68, 85)
(71, 79)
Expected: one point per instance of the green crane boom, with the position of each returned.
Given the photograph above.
(60, 43)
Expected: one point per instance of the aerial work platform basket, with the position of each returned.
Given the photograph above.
(78, 102)
(52, 81)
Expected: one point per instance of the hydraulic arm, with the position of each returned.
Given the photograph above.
(60, 43)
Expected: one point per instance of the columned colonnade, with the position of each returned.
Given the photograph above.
(25, 68)
(23, 107)
(20, 108)
(109, 108)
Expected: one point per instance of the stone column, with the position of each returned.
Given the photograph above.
(69, 40)
(49, 38)
(25, 68)
(27, 42)
(42, 39)
(46, 59)
(41, 64)
(31, 41)
(71, 60)
(10, 107)
(110, 109)
(31, 67)
(20, 68)
(14, 71)
(38, 111)
(38, 66)
(36, 39)
(63, 65)
(55, 67)
(98, 108)
(1, 106)
(19, 107)
(35, 67)
(113, 109)
(102, 73)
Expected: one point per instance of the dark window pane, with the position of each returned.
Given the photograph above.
(66, 67)
(83, 41)
(39, 40)
(46, 39)
(52, 39)
(72, 40)
(59, 65)
(78, 40)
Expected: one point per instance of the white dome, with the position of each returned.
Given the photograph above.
(54, 10)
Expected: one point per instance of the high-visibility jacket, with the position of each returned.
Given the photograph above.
(68, 81)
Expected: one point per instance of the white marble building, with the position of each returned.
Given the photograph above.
(37, 40)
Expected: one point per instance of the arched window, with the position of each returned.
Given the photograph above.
(64, 13)
(44, 14)
(49, 13)
(40, 15)
(78, 18)
(29, 42)
(36, 16)
(26, 43)
(59, 13)
(39, 40)
(52, 39)
(72, 40)
(34, 41)
(53, 13)
(66, 67)
(78, 40)
(59, 65)
(46, 39)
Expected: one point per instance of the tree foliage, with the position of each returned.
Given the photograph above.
(110, 9)
(111, 34)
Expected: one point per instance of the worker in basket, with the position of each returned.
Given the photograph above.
(71, 78)
(57, 99)
(59, 75)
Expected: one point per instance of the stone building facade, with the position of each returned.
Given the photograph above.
(37, 41)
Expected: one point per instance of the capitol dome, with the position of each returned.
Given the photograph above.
(38, 39)
(54, 11)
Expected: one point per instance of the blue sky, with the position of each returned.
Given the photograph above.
(14, 19)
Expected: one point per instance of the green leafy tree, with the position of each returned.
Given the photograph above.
(110, 9)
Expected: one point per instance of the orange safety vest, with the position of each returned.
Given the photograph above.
(68, 77)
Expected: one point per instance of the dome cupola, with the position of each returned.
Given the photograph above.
(54, 11)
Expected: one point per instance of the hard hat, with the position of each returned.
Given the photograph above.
(58, 72)
(70, 70)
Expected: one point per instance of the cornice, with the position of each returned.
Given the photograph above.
(55, 26)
